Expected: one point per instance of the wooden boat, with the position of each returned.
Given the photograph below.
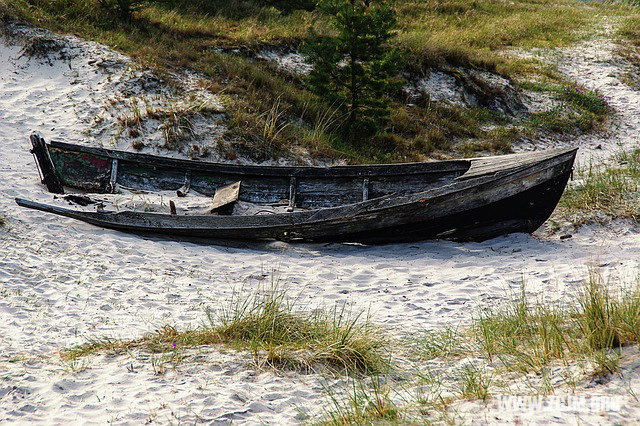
(469, 199)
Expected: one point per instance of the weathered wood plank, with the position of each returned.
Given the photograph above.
(45, 164)
(224, 198)
(293, 188)
(365, 189)
(113, 176)
(401, 169)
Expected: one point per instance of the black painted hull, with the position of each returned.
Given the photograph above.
(510, 215)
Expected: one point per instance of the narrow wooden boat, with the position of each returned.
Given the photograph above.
(470, 199)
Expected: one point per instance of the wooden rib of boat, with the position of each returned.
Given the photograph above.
(470, 199)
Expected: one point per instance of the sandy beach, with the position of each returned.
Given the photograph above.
(63, 282)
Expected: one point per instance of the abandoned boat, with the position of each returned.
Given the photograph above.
(468, 199)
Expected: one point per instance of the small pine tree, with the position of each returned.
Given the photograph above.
(356, 69)
(123, 9)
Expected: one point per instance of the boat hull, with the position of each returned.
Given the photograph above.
(514, 199)
(523, 212)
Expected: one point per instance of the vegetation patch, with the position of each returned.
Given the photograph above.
(364, 402)
(280, 332)
(601, 194)
(519, 346)
(578, 110)
(529, 337)
(180, 123)
(272, 113)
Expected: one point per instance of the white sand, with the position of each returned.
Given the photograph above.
(63, 282)
(596, 66)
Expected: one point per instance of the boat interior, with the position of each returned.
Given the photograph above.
(118, 180)
(296, 188)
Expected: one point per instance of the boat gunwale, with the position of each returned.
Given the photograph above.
(359, 170)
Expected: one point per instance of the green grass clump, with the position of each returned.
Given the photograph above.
(475, 383)
(586, 99)
(609, 320)
(362, 403)
(3, 220)
(527, 337)
(629, 30)
(579, 110)
(276, 329)
(524, 337)
(604, 193)
(297, 335)
(447, 343)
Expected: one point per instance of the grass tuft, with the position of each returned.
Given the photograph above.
(475, 383)
(609, 320)
(603, 193)
(522, 336)
(586, 99)
(280, 332)
(177, 121)
(363, 403)
(579, 110)
(447, 343)
(526, 337)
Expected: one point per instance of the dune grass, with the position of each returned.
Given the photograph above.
(629, 30)
(459, 31)
(519, 343)
(506, 345)
(455, 31)
(362, 402)
(528, 337)
(202, 35)
(603, 193)
(279, 331)
(475, 383)
(578, 109)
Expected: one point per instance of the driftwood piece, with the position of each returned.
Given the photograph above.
(172, 207)
(224, 198)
